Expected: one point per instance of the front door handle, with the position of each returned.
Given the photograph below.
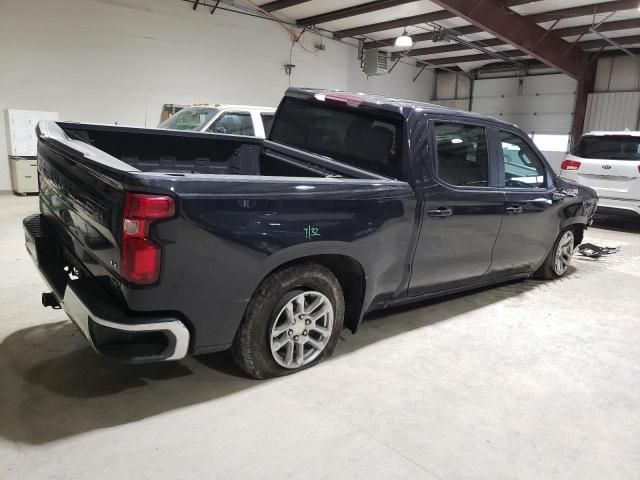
(440, 212)
(514, 209)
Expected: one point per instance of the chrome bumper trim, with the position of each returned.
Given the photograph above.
(80, 314)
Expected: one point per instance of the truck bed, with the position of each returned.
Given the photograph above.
(179, 152)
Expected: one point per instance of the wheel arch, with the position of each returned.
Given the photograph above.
(578, 227)
(350, 274)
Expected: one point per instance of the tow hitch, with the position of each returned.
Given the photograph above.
(50, 300)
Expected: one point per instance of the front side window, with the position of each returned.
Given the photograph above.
(233, 123)
(463, 158)
(194, 118)
(361, 139)
(522, 167)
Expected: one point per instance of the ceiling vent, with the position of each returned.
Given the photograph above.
(376, 62)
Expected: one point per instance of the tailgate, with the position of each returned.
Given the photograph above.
(81, 196)
(618, 179)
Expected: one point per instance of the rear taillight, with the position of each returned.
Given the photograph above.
(570, 165)
(139, 255)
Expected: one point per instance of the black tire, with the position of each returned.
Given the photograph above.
(251, 347)
(546, 271)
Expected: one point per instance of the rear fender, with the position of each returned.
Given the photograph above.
(314, 251)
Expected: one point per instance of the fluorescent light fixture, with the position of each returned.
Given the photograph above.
(456, 140)
(404, 40)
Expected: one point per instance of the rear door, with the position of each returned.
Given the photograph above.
(608, 163)
(530, 225)
(463, 209)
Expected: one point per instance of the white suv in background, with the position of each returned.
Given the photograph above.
(229, 119)
(609, 162)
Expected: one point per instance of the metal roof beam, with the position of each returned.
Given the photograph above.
(414, 20)
(588, 44)
(280, 4)
(563, 13)
(520, 32)
(351, 11)
(562, 32)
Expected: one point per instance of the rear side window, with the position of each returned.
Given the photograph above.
(233, 123)
(463, 158)
(522, 167)
(608, 147)
(359, 139)
(267, 121)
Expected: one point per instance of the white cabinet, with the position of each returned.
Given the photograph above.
(23, 143)
(21, 125)
(24, 175)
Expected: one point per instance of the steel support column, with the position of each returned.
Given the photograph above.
(586, 85)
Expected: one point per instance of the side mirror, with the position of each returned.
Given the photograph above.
(220, 130)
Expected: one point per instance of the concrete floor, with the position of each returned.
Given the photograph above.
(526, 381)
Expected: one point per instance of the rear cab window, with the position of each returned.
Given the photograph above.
(364, 140)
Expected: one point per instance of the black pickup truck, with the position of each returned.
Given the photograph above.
(160, 244)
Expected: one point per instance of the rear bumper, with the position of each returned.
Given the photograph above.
(108, 327)
(618, 205)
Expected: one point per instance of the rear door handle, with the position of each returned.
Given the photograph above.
(514, 209)
(440, 212)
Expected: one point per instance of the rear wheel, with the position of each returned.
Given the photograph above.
(559, 259)
(292, 322)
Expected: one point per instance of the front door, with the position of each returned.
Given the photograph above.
(462, 212)
(530, 225)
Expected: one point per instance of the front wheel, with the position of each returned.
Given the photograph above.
(292, 322)
(557, 263)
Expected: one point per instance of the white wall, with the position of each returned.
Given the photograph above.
(121, 60)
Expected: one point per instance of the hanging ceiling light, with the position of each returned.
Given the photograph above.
(404, 40)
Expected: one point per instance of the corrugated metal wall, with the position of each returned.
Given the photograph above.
(613, 111)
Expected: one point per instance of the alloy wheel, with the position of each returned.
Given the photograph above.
(564, 252)
(302, 329)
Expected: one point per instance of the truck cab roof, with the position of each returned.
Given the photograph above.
(396, 105)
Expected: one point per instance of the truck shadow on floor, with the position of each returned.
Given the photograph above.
(54, 386)
(617, 223)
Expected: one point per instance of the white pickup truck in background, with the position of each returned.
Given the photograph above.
(229, 119)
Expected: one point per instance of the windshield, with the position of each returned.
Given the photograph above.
(189, 119)
(611, 147)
